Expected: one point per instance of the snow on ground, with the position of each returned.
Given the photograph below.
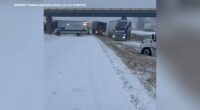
(142, 33)
(135, 44)
(79, 76)
(138, 94)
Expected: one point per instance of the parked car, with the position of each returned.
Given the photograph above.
(72, 27)
(99, 28)
(148, 46)
(119, 29)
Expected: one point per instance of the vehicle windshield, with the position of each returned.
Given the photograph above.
(101, 27)
(150, 37)
(121, 25)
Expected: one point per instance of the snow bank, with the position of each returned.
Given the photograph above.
(139, 96)
(21, 58)
(142, 33)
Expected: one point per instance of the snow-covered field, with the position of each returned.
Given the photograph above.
(139, 96)
(79, 76)
(83, 74)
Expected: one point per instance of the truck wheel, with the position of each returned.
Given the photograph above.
(126, 39)
(78, 34)
(129, 37)
(58, 33)
(147, 51)
(110, 35)
(93, 32)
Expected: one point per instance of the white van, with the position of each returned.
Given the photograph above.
(72, 27)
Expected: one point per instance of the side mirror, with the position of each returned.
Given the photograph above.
(154, 37)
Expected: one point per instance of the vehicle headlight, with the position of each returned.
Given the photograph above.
(85, 23)
(113, 36)
(68, 24)
(124, 36)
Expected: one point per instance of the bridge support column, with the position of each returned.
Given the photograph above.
(49, 28)
(124, 18)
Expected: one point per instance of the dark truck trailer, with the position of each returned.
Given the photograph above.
(119, 29)
(71, 27)
(99, 28)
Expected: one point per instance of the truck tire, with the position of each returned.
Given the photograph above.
(129, 37)
(147, 51)
(93, 32)
(58, 33)
(88, 33)
(78, 34)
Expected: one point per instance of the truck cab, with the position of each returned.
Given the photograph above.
(120, 29)
(99, 28)
(148, 46)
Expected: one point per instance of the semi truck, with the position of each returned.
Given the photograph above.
(99, 28)
(119, 29)
(71, 27)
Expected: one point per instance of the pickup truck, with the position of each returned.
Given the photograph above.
(148, 46)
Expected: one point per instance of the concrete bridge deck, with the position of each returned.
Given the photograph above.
(100, 12)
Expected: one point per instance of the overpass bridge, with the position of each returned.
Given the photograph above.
(96, 12)
(100, 12)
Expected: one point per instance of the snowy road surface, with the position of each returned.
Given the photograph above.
(79, 76)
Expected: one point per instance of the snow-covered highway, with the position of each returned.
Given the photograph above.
(79, 76)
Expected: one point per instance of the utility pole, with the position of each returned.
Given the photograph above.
(124, 18)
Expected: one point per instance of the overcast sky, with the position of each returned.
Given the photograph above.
(110, 3)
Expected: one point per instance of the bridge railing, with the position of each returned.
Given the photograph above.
(96, 9)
